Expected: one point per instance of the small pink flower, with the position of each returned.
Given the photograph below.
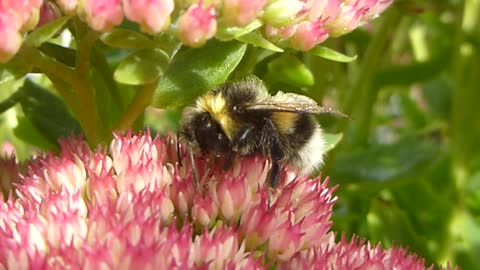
(103, 15)
(26, 11)
(232, 197)
(15, 16)
(347, 19)
(204, 211)
(307, 35)
(152, 15)
(324, 10)
(377, 7)
(197, 25)
(241, 12)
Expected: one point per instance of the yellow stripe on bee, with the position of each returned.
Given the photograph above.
(285, 121)
(216, 106)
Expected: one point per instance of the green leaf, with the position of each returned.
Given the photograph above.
(289, 69)
(387, 223)
(29, 133)
(228, 33)
(47, 113)
(411, 110)
(409, 157)
(438, 95)
(141, 67)
(331, 140)
(127, 39)
(62, 54)
(258, 40)
(11, 101)
(194, 71)
(330, 54)
(46, 32)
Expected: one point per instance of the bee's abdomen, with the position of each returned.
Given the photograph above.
(304, 146)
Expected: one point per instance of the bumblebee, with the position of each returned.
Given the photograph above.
(242, 119)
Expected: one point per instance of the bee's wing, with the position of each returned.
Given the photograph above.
(290, 102)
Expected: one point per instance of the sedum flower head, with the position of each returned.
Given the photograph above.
(135, 206)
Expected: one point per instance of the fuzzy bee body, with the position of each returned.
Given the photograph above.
(241, 118)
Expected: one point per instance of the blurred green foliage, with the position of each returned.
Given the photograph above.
(408, 163)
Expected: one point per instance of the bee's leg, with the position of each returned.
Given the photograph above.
(194, 168)
(214, 167)
(229, 160)
(274, 174)
(243, 137)
(275, 152)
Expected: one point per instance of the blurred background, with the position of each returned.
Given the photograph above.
(407, 162)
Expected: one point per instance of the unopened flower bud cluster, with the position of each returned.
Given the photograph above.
(300, 24)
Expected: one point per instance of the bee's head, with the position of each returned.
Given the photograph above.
(206, 132)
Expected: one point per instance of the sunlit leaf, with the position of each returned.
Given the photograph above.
(258, 40)
(127, 39)
(331, 140)
(384, 162)
(195, 71)
(330, 54)
(289, 69)
(141, 67)
(47, 113)
(45, 32)
(228, 33)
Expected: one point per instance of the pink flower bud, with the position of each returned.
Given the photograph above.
(103, 15)
(241, 12)
(197, 25)
(152, 15)
(308, 35)
(347, 19)
(282, 12)
(232, 196)
(322, 9)
(204, 211)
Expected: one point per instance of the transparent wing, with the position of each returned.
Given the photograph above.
(290, 102)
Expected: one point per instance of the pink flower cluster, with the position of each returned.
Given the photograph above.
(135, 206)
(300, 24)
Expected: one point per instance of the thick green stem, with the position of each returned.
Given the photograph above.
(463, 120)
(137, 106)
(89, 116)
(54, 70)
